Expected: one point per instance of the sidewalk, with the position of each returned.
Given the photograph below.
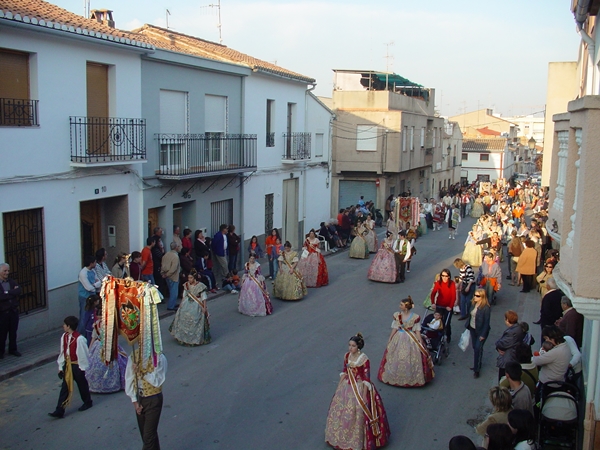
(43, 349)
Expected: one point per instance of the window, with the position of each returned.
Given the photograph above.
(221, 213)
(173, 121)
(270, 123)
(484, 157)
(16, 106)
(319, 137)
(422, 137)
(465, 156)
(366, 138)
(404, 137)
(268, 214)
(24, 252)
(434, 142)
(412, 138)
(421, 188)
(215, 127)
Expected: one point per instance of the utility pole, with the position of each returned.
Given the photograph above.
(167, 14)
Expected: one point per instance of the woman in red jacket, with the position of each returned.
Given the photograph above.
(443, 296)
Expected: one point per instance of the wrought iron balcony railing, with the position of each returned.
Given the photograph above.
(270, 139)
(17, 112)
(107, 139)
(297, 146)
(194, 155)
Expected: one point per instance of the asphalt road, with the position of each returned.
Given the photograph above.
(266, 382)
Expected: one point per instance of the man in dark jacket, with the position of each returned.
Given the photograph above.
(219, 253)
(9, 311)
(571, 322)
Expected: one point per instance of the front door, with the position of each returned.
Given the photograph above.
(290, 212)
(89, 213)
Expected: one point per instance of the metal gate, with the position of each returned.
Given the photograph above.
(268, 214)
(350, 192)
(220, 213)
(24, 252)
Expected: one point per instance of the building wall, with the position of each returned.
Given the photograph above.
(473, 167)
(58, 81)
(481, 119)
(562, 88)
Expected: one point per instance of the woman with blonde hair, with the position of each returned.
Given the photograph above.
(479, 326)
(406, 362)
(501, 400)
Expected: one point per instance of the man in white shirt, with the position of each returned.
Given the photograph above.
(402, 249)
(145, 392)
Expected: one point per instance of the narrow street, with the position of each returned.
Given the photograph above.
(266, 382)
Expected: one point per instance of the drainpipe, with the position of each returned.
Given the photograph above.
(593, 363)
(581, 15)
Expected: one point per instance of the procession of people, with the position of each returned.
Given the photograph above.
(357, 417)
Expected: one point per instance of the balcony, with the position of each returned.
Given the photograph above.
(16, 112)
(97, 141)
(297, 147)
(186, 156)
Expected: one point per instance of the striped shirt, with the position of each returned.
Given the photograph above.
(466, 274)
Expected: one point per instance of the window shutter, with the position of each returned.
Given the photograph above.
(14, 74)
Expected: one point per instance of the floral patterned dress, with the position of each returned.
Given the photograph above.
(103, 379)
(406, 362)
(356, 419)
(313, 267)
(371, 236)
(359, 248)
(383, 268)
(254, 298)
(289, 284)
(190, 325)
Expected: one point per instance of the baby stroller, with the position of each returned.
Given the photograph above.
(435, 340)
(559, 416)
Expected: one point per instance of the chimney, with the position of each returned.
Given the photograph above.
(103, 16)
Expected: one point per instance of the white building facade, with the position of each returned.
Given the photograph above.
(73, 139)
(486, 159)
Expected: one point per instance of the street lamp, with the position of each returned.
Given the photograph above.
(531, 144)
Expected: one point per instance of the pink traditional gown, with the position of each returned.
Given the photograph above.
(254, 298)
(313, 267)
(406, 362)
(357, 419)
(383, 268)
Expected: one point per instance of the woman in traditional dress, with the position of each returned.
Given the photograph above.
(371, 236)
(103, 379)
(289, 284)
(439, 211)
(391, 226)
(406, 362)
(477, 210)
(359, 248)
(356, 419)
(312, 265)
(190, 325)
(490, 276)
(254, 298)
(472, 252)
(383, 268)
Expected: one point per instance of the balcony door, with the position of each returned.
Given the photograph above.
(98, 127)
(215, 127)
(174, 157)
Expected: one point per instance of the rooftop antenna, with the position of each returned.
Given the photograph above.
(218, 6)
(86, 9)
(167, 14)
(389, 59)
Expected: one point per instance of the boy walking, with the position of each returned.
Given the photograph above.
(73, 361)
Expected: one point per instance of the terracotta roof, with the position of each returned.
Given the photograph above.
(43, 14)
(483, 145)
(488, 132)
(182, 43)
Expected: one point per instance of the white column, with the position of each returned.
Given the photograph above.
(571, 234)
(563, 150)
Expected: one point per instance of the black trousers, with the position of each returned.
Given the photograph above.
(527, 282)
(148, 420)
(9, 323)
(82, 385)
(444, 312)
(401, 266)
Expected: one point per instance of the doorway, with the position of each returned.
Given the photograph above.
(89, 213)
(290, 211)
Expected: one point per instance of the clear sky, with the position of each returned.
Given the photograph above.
(475, 53)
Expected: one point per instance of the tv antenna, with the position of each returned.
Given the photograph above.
(389, 59)
(218, 6)
(167, 14)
